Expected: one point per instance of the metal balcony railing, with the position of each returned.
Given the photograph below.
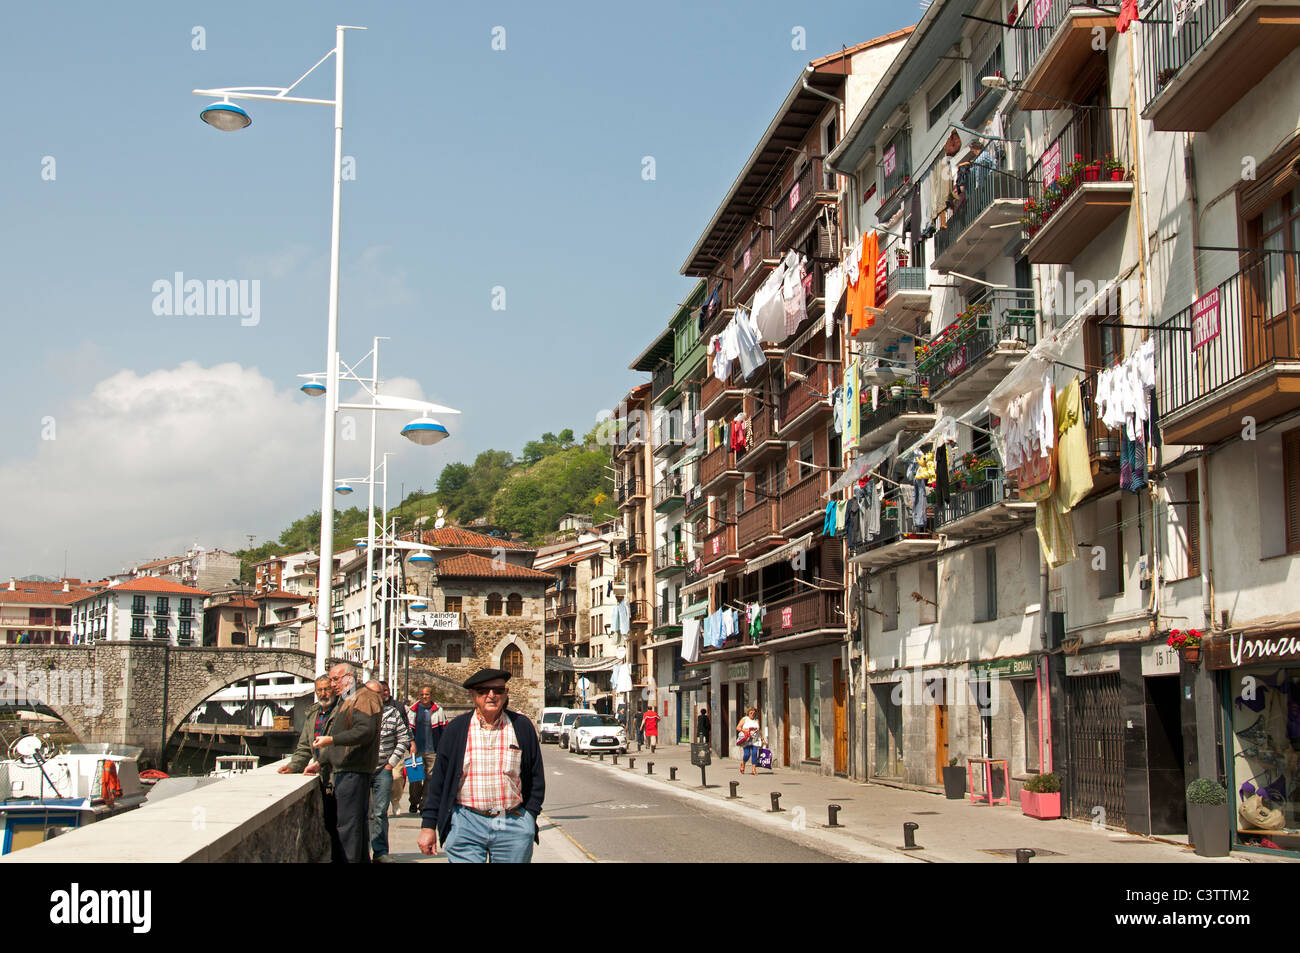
(634, 545)
(629, 490)
(639, 611)
(669, 490)
(984, 187)
(798, 197)
(1093, 147)
(985, 487)
(897, 521)
(896, 164)
(991, 320)
(670, 555)
(667, 614)
(890, 408)
(662, 379)
(695, 497)
(1165, 51)
(1037, 24)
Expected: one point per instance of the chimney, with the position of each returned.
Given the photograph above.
(65, 586)
(11, 583)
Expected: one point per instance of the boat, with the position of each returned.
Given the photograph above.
(46, 792)
(232, 765)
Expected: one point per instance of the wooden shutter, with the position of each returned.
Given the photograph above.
(1291, 485)
(1192, 520)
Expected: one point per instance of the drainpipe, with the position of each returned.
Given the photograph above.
(1202, 471)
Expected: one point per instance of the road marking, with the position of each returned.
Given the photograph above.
(589, 854)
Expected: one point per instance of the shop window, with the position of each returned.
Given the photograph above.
(493, 603)
(515, 604)
(1263, 716)
(1026, 693)
(985, 583)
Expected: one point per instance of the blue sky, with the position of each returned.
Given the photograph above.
(475, 169)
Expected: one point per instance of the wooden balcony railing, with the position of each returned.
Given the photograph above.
(798, 198)
(716, 462)
(757, 522)
(804, 394)
(720, 546)
(639, 611)
(712, 388)
(806, 611)
(804, 499)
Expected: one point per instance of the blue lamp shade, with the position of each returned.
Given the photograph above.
(343, 489)
(422, 558)
(425, 431)
(225, 116)
(417, 632)
(418, 606)
(313, 388)
(361, 545)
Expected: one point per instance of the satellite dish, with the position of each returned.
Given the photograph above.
(28, 746)
(441, 512)
(439, 523)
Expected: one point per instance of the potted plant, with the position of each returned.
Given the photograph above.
(1092, 172)
(1112, 169)
(1188, 644)
(1207, 817)
(902, 255)
(954, 781)
(1041, 797)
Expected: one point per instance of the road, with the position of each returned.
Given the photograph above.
(619, 821)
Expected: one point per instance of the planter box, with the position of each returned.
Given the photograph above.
(1045, 807)
(954, 783)
(1208, 827)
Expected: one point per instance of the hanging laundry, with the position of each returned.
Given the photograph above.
(1132, 464)
(690, 640)
(861, 318)
(1122, 391)
(941, 474)
(769, 307)
(877, 499)
(837, 409)
(828, 523)
(792, 293)
(746, 335)
(852, 407)
(840, 509)
(1073, 468)
(834, 292)
(756, 613)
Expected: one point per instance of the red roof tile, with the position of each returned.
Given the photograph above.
(152, 584)
(453, 537)
(472, 566)
(282, 594)
(154, 564)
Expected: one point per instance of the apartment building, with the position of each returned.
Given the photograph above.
(37, 612)
(146, 608)
(199, 567)
(634, 471)
(290, 573)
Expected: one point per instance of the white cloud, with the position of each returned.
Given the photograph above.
(147, 464)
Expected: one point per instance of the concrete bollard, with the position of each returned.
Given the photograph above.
(1024, 853)
(734, 785)
(833, 813)
(649, 767)
(672, 773)
(909, 836)
(776, 803)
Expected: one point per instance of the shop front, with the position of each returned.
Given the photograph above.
(1259, 681)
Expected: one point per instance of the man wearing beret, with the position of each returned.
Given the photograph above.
(485, 793)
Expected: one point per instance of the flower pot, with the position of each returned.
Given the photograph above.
(1117, 175)
(1208, 827)
(1091, 174)
(1191, 654)
(1045, 807)
(954, 782)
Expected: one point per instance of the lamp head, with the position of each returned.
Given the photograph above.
(343, 489)
(313, 388)
(995, 82)
(425, 431)
(225, 116)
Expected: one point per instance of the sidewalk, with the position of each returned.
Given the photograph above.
(555, 847)
(873, 815)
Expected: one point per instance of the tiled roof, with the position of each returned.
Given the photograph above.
(159, 562)
(281, 594)
(150, 584)
(591, 550)
(453, 537)
(239, 602)
(42, 593)
(472, 566)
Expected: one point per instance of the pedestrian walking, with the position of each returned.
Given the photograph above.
(394, 741)
(649, 726)
(304, 761)
(428, 723)
(703, 726)
(485, 791)
(749, 738)
(352, 737)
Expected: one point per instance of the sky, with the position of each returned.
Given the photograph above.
(499, 226)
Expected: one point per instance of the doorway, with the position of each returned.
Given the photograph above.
(936, 693)
(838, 689)
(1095, 729)
(725, 734)
(785, 715)
(1165, 781)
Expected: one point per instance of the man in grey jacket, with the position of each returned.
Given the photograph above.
(352, 737)
(303, 761)
(394, 741)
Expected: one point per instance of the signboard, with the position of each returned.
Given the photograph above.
(1092, 663)
(745, 266)
(794, 196)
(1041, 8)
(1160, 659)
(890, 161)
(738, 671)
(956, 362)
(787, 616)
(1205, 319)
(717, 541)
(441, 621)
(1236, 649)
(1052, 164)
(1008, 668)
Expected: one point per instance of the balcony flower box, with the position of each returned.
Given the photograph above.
(1041, 797)
(1188, 644)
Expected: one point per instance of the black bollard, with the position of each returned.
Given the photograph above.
(616, 759)
(649, 767)
(704, 781)
(776, 803)
(672, 773)
(909, 836)
(1023, 854)
(602, 757)
(833, 813)
(734, 785)
(631, 763)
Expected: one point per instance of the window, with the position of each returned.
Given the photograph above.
(187, 607)
(494, 603)
(453, 652)
(512, 661)
(887, 601)
(137, 628)
(161, 606)
(160, 630)
(185, 630)
(947, 96)
(927, 605)
(986, 584)
(1109, 563)
(137, 605)
(452, 604)
(812, 719)
(1027, 695)
(1291, 481)
(515, 604)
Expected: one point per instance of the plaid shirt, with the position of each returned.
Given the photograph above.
(490, 780)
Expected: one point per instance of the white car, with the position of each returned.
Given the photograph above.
(597, 733)
(549, 726)
(566, 720)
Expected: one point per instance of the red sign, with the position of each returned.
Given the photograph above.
(890, 161)
(716, 541)
(1041, 8)
(794, 196)
(1205, 319)
(787, 616)
(1052, 164)
(955, 364)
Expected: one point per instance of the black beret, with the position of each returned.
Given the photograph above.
(487, 675)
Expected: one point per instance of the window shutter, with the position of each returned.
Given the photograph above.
(1291, 482)
(1192, 520)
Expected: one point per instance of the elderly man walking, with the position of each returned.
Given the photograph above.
(352, 737)
(394, 739)
(303, 761)
(430, 721)
(485, 793)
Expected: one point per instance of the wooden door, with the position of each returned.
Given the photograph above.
(940, 731)
(838, 688)
(785, 715)
(724, 743)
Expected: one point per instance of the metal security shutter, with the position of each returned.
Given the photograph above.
(1192, 520)
(1291, 484)
(1096, 733)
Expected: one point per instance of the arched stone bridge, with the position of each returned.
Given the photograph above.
(134, 693)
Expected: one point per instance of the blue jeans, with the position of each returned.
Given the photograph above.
(381, 792)
(750, 754)
(475, 839)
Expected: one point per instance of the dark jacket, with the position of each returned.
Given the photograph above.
(443, 784)
(354, 726)
(304, 752)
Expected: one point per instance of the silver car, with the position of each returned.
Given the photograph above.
(590, 733)
(566, 721)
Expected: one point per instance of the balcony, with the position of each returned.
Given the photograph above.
(805, 400)
(796, 206)
(906, 304)
(1103, 443)
(662, 387)
(670, 559)
(803, 614)
(1058, 39)
(803, 503)
(667, 616)
(695, 499)
(756, 528)
(669, 433)
(631, 548)
(720, 549)
(983, 501)
(568, 609)
(976, 351)
(1232, 353)
(718, 469)
(629, 491)
(900, 536)
(1223, 49)
(976, 232)
(753, 263)
(896, 166)
(668, 495)
(763, 444)
(639, 612)
(1079, 186)
(138, 608)
(567, 636)
(718, 398)
(908, 411)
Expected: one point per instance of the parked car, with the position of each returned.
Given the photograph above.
(597, 733)
(550, 724)
(566, 721)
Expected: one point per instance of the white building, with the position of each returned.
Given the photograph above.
(146, 608)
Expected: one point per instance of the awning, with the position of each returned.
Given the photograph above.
(697, 611)
(700, 584)
(780, 553)
(690, 457)
(599, 664)
(689, 685)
